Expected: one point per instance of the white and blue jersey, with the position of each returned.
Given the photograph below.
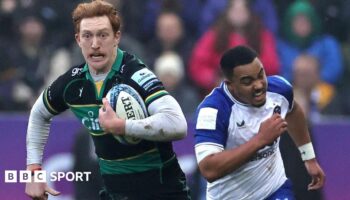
(225, 123)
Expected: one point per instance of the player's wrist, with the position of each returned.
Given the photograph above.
(34, 170)
(33, 167)
(307, 151)
(119, 128)
(258, 142)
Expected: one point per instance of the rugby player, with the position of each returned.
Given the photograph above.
(237, 132)
(146, 170)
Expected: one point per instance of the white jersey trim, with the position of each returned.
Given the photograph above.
(207, 148)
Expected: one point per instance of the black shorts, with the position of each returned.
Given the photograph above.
(168, 183)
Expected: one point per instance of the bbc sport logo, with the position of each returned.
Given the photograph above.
(25, 176)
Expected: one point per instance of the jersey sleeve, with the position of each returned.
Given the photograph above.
(211, 130)
(280, 85)
(143, 80)
(212, 121)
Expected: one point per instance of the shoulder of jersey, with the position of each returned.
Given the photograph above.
(279, 85)
(73, 72)
(217, 99)
(278, 80)
(131, 64)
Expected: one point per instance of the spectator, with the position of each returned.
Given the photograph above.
(169, 67)
(31, 58)
(311, 93)
(132, 11)
(187, 10)
(302, 34)
(340, 104)
(170, 36)
(7, 12)
(238, 26)
(264, 8)
(8, 77)
(35, 60)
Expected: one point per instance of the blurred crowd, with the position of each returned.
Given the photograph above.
(307, 42)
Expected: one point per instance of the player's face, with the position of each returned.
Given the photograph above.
(98, 43)
(249, 83)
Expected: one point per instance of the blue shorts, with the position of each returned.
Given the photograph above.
(285, 192)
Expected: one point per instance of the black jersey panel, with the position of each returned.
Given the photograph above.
(141, 78)
(109, 148)
(54, 94)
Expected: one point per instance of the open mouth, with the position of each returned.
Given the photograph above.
(259, 95)
(97, 56)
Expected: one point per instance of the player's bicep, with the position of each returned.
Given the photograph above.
(53, 97)
(210, 132)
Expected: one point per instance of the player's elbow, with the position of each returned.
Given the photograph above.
(180, 131)
(177, 128)
(210, 175)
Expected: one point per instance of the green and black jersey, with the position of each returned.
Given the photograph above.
(77, 91)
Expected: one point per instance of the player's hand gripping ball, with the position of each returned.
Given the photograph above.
(128, 104)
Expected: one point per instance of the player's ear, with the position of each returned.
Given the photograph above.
(117, 37)
(227, 81)
(230, 85)
(77, 38)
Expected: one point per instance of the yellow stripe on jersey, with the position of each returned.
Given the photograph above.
(98, 85)
(155, 95)
(98, 134)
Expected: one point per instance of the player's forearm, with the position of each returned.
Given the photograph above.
(297, 126)
(220, 164)
(37, 132)
(166, 122)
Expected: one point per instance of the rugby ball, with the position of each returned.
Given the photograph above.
(128, 104)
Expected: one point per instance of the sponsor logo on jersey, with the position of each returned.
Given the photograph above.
(266, 151)
(142, 76)
(76, 71)
(241, 124)
(264, 154)
(148, 85)
(277, 109)
(91, 122)
(81, 91)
